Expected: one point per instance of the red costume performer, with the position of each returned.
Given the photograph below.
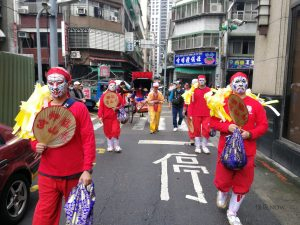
(111, 124)
(63, 167)
(238, 180)
(199, 112)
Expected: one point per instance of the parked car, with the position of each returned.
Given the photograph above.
(18, 163)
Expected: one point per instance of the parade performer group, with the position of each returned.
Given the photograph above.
(200, 115)
(155, 99)
(63, 167)
(109, 104)
(239, 181)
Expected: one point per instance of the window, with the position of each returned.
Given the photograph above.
(291, 122)
(188, 10)
(189, 42)
(237, 47)
(182, 43)
(183, 11)
(206, 40)
(198, 40)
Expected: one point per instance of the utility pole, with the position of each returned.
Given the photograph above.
(165, 70)
(53, 34)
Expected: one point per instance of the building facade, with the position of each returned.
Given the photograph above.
(91, 33)
(277, 76)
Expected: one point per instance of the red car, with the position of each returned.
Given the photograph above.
(18, 163)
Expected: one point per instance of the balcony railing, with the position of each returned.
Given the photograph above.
(246, 16)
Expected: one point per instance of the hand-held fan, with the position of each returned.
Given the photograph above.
(54, 126)
(238, 110)
(111, 100)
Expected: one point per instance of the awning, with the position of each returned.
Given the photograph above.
(2, 35)
(107, 59)
(189, 70)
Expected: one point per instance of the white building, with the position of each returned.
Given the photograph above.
(158, 29)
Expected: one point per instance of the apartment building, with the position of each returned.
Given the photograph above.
(93, 32)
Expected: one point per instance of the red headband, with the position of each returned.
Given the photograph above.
(201, 76)
(238, 74)
(60, 71)
(112, 82)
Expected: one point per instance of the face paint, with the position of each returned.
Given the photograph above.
(57, 85)
(112, 87)
(202, 81)
(239, 85)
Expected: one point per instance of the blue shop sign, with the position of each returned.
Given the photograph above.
(240, 63)
(203, 58)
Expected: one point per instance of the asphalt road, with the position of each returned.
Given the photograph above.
(141, 187)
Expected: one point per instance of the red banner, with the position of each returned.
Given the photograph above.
(145, 75)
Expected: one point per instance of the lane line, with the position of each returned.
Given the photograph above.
(162, 124)
(140, 125)
(162, 142)
(183, 127)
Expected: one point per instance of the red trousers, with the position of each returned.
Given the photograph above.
(51, 192)
(201, 126)
(239, 180)
(111, 128)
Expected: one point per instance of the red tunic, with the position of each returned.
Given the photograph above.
(78, 154)
(198, 106)
(111, 125)
(240, 180)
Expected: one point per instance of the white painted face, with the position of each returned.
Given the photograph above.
(57, 85)
(239, 85)
(202, 81)
(112, 87)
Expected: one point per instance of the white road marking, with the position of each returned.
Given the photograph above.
(198, 188)
(162, 142)
(140, 125)
(97, 126)
(162, 124)
(177, 168)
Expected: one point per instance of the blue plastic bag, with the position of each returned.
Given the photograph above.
(79, 207)
(234, 156)
(122, 115)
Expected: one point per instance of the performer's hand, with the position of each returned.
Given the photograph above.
(100, 120)
(83, 100)
(232, 127)
(246, 134)
(40, 148)
(85, 178)
(169, 105)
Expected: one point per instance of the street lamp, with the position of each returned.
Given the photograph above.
(46, 6)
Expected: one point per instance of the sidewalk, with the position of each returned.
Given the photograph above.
(277, 187)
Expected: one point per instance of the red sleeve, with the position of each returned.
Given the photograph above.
(100, 110)
(121, 101)
(219, 125)
(261, 122)
(87, 139)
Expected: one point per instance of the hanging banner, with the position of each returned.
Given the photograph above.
(203, 58)
(104, 71)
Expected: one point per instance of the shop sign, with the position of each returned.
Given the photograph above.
(104, 71)
(203, 58)
(240, 63)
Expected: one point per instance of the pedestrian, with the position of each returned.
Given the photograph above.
(239, 181)
(176, 101)
(155, 99)
(63, 167)
(200, 115)
(110, 103)
(187, 114)
(76, 92)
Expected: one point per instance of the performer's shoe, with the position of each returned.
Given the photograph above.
(205, 150)
(222, 199)
(118, 149)
(110, 149)
(192, 142)
(198, 150)
(233, 219)
(175, 129)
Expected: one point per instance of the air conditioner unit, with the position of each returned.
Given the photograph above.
(23, 10)
(81, 11)
(75, 55)
(114, 18)
(22, 34)
(215, 8)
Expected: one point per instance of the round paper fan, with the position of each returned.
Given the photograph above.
(111, 100)
(54, 126)
(238, 110)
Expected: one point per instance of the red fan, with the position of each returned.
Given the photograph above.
(54, 126)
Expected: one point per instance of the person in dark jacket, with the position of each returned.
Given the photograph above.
(177, 102)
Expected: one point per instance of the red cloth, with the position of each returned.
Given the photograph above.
(111, 124)
(198, 106)
(77, 155)
(257, 124)
(61, 71)
(238, 74)
(240, 181)
(147, 75)
(51, 191)
(201, 126)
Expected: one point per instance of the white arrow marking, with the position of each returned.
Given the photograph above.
(197, 186)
